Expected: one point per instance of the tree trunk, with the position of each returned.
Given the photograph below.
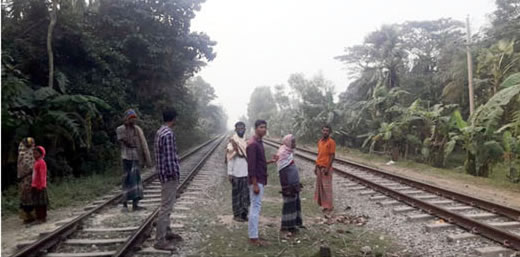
(394, 153)
(52, 23)
(470, 164)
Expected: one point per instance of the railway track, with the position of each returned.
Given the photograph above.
(104, 230)
(479, 217)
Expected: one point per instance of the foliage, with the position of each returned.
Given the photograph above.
(408, 95)
(108, 56)
(496, 63)
(260, 105)
(212, 118)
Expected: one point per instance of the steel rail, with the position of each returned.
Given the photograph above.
(65, 230)
(140, 234)
(501, 236)
(506, 211)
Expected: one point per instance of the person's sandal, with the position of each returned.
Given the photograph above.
(287, 235)
(173, 237)
(138, 208)
(258, 242)
(165, 246)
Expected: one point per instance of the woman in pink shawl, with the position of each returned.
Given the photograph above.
(291, 187)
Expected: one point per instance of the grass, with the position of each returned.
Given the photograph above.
(230, 239)
(69, 192)
(497, 179)
(72, 191)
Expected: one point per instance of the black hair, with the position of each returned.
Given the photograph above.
(327, 126)
(240, 123)
(169, 115)
(260, 122)
(39, 150)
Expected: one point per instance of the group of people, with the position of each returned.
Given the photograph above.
(247, 172)
(32, 173)
(32, 177)
(246, 166)
(135, 155)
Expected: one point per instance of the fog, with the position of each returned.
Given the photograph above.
(260, 43)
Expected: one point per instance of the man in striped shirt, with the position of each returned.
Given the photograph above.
(167, 167)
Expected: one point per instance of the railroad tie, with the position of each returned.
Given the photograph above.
(425, 197)
(493, 251)
(107, 229)
(509, 224)
(95, 241)
(91, 254)
(419, 217)
(400, 188)
(89, 207)
(154, 252)
(389, 203)
(441, 202)
(459, 208)
(152, 195)
(483, 215)
(412, 192)
(378, 197)
(367, 192)
(461, 237)
(149, 200)
(150, 205)
(390, 184)
(403, 209)
(439, 227)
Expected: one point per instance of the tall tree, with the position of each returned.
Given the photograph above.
(53, 19)
(261, 105)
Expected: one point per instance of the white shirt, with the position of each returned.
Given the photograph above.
(237, 167)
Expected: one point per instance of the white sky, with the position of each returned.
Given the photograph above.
(262, 42)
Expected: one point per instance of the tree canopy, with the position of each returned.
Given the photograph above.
(108, 56)
(408, 97)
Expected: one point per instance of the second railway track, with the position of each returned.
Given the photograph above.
(103, 230)
(479, 217)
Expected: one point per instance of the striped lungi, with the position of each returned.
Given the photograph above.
(291, 213)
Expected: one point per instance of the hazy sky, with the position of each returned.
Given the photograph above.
(262, 42)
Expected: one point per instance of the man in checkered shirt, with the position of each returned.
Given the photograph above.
(167, 167)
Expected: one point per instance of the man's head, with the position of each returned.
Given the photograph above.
(130, 117)
(240, 128)
(325, 131)
(260, 128)
(170, 117)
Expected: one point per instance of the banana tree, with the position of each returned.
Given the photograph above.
(481, 137)
(497, 62)
(46, 113)
(437, 123)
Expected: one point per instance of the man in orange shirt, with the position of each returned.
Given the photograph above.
(323, 170)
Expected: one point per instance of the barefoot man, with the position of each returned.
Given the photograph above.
(323, 170)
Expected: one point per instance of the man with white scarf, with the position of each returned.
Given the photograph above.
(236, 158)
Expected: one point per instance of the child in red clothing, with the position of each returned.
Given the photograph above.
(39, 184)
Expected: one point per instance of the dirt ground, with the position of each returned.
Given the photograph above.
(15, 232)
(225, 237)
(479, 189)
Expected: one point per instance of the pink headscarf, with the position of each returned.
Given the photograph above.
(285, 152)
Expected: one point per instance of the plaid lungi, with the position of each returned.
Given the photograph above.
(240, 197)
(323, 194)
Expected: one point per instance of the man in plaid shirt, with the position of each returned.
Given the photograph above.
(167, 166)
